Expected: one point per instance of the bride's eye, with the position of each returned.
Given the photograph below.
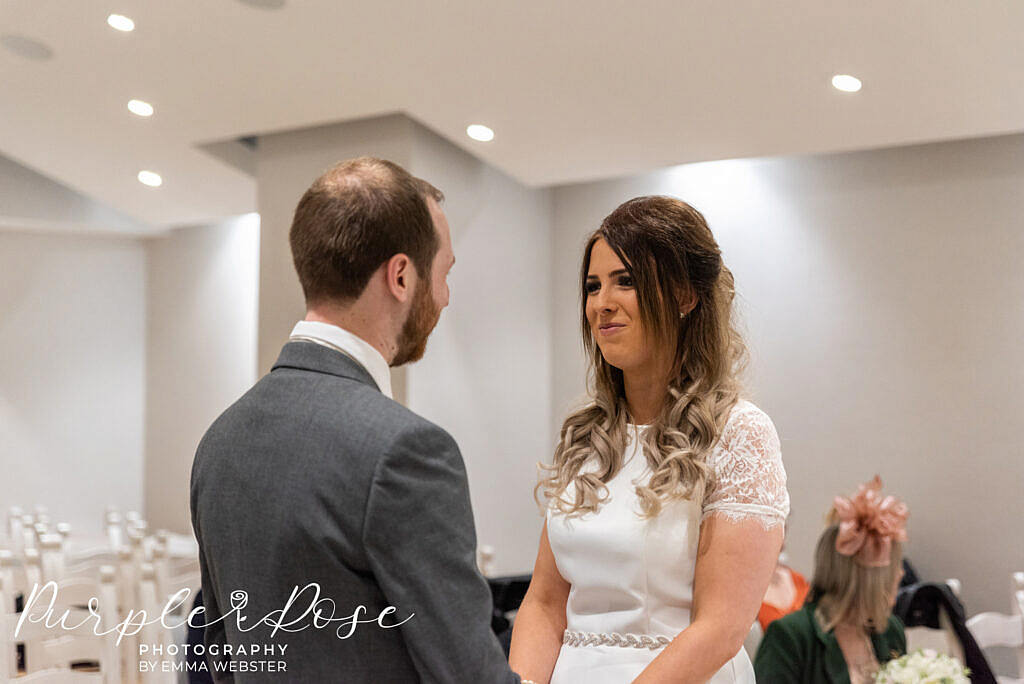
(591, 287)
(626, 281)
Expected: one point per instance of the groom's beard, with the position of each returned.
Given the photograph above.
(423, 316)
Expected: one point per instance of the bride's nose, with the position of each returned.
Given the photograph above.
(605, 303)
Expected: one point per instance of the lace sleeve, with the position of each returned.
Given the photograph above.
(749, 478)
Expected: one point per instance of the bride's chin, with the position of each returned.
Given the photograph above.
(612, 360)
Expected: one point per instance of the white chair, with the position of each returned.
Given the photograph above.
(1018, 593)
(33, 569)
(7, 568)
(173, 575)
(57, 676)
(178, 545)
(129, 580)
(943, 639)
(995, 629)
(136, 543)
(88, 562)
(115, 531)
(136, 569)
(131, 518)
(753, 640)
(28, 532)
(51, 557)
(47, 653)
(50, 652)
(8, 656)
(155, 635)
(14, 514)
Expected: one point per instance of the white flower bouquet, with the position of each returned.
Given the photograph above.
(923, 666)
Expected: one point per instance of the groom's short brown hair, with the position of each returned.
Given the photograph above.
(354, 217)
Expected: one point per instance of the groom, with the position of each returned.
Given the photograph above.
(317, 476)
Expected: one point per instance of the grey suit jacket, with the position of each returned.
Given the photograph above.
(315, 476)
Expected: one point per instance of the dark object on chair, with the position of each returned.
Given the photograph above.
(909, 574)
(508, 592)
(196, 673)
(507, 595)
(920, 605)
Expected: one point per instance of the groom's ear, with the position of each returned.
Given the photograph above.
(399, 276)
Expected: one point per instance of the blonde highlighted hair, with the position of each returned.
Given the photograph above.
(850, 593)
(668, 249)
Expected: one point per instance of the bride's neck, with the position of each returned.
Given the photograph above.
(644, 399)
(646, 392)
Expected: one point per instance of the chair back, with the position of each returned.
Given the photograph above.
(933, 605)
(992, 630)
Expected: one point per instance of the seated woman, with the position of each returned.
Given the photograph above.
(846, 629)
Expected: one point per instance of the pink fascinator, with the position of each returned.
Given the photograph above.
(868, 524)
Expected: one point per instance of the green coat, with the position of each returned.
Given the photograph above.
(796, 649)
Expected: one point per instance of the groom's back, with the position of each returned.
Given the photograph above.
(280, 489)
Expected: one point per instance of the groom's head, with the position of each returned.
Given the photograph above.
(371, 239)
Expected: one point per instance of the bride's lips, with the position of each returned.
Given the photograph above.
(610, 329)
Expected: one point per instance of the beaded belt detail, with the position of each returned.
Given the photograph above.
(614, 639)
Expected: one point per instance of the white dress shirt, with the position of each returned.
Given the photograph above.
(351, 345)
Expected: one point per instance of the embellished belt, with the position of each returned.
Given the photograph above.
(572, 638)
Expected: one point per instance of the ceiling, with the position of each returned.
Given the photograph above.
(574, 90)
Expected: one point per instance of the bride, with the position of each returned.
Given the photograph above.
(666, 496)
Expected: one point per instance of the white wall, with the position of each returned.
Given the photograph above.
(486, 374)
(29, 200)
(72, 374)
(116, 353)
(882, 293)
(201, 349)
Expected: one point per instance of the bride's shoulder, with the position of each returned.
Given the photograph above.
(749, 477)
(748, 429)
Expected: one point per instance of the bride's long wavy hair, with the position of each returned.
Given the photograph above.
(668, 249)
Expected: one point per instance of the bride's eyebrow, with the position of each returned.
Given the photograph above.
(618, 272)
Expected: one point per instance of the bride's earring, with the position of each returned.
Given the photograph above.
(682, 314)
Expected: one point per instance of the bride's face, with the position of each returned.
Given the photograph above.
(612, 309)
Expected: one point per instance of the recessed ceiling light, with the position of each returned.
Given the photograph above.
(265, 4)
(139, 107)
(151, 179)
(480, 132)
(121, 22)
(26, 47)
(846, 83)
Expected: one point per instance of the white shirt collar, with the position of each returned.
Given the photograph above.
(359, 349)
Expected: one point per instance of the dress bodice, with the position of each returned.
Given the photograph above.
(628, 574)
(632, 576)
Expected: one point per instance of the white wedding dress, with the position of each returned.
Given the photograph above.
(632, 578)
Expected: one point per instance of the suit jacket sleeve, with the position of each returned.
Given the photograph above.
(215, 633)
(421, 544)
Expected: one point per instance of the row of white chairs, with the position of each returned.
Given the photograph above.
(127, 571)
